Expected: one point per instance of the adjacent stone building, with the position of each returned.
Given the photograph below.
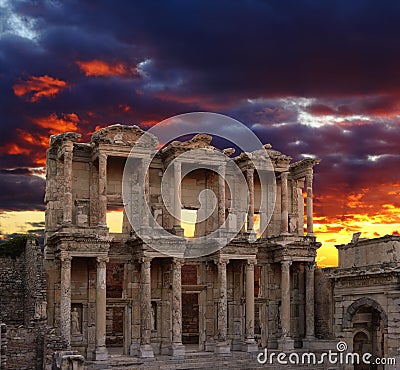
(366, 296)
(111, 289)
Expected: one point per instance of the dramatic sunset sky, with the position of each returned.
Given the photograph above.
(315, 78)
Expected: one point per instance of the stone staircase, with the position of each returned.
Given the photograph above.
(194, 360)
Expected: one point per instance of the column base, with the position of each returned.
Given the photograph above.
(100, 354)
(223, 348)
(308, 341)
(178, 351)
(134, 349)
(250, 345)
(209, 345)
(286, 344)
(146, 351)
(165, 349)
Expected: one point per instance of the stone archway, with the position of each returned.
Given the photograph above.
(368, 322)
(354, 307)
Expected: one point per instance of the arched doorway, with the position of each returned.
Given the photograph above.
(369, 322)
(361, 344)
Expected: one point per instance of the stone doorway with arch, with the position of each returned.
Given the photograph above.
(367, 322)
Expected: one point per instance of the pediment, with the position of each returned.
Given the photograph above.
(123, 135)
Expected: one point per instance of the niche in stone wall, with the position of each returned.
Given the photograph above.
(115, 280)
(76, 322)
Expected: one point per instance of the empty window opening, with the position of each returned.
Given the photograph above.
(256, 227)
(188, 222)
(114, 219)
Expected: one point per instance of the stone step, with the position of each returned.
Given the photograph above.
(195, 361)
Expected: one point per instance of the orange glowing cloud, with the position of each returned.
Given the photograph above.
(368, 211)
(99, 68)
(37, 87)
(56, 124)
(14, 149)
(29, 144)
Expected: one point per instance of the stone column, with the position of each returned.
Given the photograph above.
(310, 333)
(250, 214)
(310, 223)
(178, 349)
(146, 193)
(222, 346)
(250, 344)
(285, 342)
(284, 203)
(177, 229)
(146, 351)
(65, 303)
(102, 189)
(100, 352)
(221, 195)
(67, 206)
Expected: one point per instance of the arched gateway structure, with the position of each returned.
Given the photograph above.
(366, 297)
(107, 288)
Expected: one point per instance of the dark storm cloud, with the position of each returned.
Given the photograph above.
(257, 48)
(39, 225)
(365, 158)
(21, 191)
(379, 105)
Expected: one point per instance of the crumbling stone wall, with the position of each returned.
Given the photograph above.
(3, 346)
(12, 289)
(35, 284)
(51, 343)
(28, 342)
(21, 348)
(323, 305)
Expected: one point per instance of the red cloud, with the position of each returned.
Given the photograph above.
(38, 87)
(98, 68)
(56, 124)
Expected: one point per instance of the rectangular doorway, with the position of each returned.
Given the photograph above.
(115, 326)
(190, 318)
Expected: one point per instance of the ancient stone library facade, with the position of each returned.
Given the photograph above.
(107, 288)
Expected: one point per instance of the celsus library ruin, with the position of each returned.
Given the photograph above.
(97, 294)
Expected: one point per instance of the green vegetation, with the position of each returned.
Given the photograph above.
(15, 246)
